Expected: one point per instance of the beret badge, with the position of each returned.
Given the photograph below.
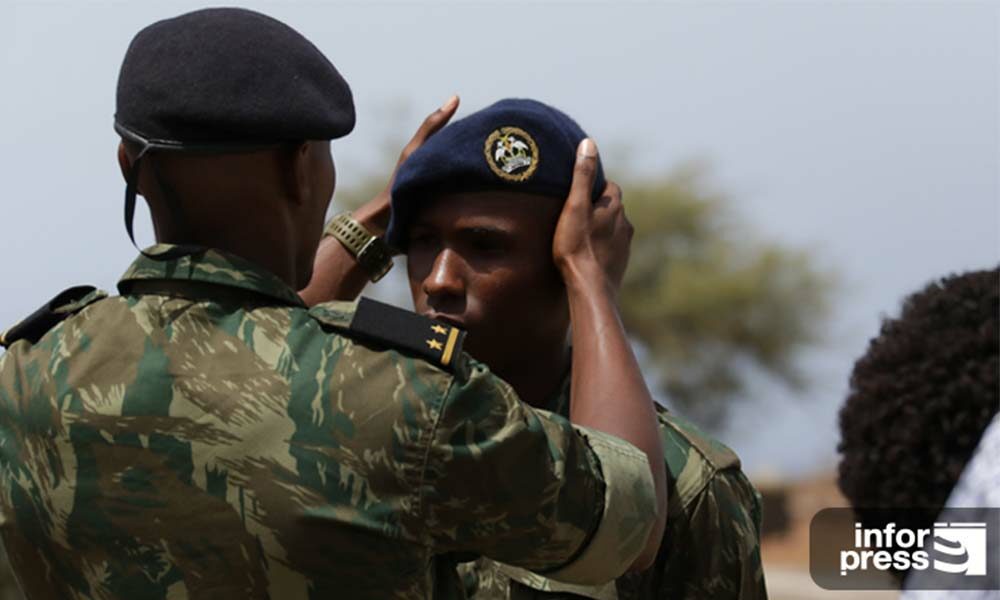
(511, 153)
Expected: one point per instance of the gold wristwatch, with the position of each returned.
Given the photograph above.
(371, 251)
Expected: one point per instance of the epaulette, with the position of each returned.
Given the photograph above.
(373, 321)
(66, 303)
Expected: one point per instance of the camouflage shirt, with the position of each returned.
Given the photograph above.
(710, 548)
(205, 435)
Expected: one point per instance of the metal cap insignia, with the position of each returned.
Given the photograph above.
(511, 153)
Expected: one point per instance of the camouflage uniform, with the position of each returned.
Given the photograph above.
(710, 548)
(205, 435)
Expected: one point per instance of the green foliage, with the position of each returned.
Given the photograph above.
(370, 185)
(713, 304)
(709, 301)
(398, 122)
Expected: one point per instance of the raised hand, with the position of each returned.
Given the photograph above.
(336, 274)
(592, 238)
(375, 213)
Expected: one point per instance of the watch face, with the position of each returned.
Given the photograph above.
(375, 258)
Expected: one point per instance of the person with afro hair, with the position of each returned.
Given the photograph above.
(920, 399)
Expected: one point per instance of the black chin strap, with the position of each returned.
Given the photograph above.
(131, 189)
(147, 145)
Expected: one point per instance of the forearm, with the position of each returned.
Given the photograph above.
(608, 391)
(336, 273)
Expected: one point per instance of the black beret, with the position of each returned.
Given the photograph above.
(228, 77)
(516, 144)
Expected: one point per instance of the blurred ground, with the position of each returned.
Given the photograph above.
(789, 506)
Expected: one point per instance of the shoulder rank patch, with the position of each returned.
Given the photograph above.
(38, 323)
(439, 343)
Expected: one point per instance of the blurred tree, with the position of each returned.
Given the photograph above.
(709, 301)
(712, 304)
(356, 194)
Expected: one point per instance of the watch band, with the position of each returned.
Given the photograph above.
(371, 252)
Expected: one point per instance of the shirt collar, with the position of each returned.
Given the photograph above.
(209, 265)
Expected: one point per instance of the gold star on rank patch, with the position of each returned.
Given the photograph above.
(437, 342)
(446, 350)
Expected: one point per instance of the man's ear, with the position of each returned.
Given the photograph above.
(296, 169)
(123, 160)
(125, 163)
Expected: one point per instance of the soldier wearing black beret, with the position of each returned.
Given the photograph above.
(206, 434)
(235, 84)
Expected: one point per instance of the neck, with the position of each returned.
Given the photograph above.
(232, 202)
(266, 244)
(538, 377)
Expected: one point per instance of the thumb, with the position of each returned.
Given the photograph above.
(431, 125)
(584, 172)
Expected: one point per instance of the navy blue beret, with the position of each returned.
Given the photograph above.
(228, 76)
(515, 144)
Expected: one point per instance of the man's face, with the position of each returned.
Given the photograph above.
(483, 261)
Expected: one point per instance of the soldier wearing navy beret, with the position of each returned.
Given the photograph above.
(206, 434)
(477, 209)
(517, 145)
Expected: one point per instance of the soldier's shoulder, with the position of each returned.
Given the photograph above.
(688, 437)
(62, 306)
(693, 456)
(385, 327)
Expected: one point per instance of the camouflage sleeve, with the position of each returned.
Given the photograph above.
(525, 487)
(723, 523)
(6, 383)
